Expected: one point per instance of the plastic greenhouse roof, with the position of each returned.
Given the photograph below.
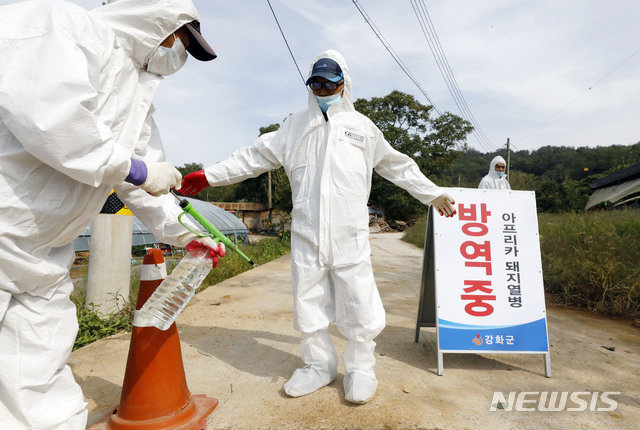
(224, 221)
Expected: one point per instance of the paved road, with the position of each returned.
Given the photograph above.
(238, 345)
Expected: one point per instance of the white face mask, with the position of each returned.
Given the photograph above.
(166, 61)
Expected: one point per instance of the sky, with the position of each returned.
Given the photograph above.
(518, 64)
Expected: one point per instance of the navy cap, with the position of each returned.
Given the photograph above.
(326, 68)
(198, 47)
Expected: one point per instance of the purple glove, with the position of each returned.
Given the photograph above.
(137, 172)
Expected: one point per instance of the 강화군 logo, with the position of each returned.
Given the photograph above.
(477, 340)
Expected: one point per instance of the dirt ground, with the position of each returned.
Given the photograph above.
(239, 345)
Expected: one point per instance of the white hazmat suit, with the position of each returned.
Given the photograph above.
(329, 164)
(75, 106)
(493, 181)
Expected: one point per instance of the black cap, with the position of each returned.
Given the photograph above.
(326, 68)
(198, 47)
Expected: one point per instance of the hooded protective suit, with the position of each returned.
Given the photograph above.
(492, 181)
(329, 164)
(75, 106)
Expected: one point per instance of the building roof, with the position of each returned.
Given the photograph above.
(626, 174)
(241, 206)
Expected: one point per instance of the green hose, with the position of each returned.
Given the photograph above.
(189, 209)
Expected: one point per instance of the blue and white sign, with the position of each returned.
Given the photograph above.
(488, 278)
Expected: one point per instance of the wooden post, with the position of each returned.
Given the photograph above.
(508, 156)
(269, 200)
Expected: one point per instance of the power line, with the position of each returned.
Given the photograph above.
(440, 67)
(452, 75)
(393, 53)
(287, 43)
(431, 35)
(578, 97)
(431, 44)
(396, 57)
(444, 67)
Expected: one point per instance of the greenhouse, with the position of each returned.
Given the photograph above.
(224, 221)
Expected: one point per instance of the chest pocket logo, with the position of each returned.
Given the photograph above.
(354, 139)
(352, 151)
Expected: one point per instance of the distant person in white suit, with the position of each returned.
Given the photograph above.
(496, 179)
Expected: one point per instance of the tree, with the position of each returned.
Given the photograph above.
(558, 164)
(256, 189)
(523, 181)
(561, 176)
(281, 190)
(280, 187)
(209, 194)
(434, 143)
(189, 168)
(268, 129)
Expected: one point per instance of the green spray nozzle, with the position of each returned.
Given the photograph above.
(188, 208)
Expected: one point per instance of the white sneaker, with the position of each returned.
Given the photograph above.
(307, 380)
(359, 387)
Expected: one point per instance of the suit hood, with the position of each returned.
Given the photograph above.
(347, 102)
(492, 168)
(141, 25)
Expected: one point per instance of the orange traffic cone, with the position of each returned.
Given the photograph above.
(155, 395)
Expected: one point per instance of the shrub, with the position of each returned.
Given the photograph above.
(592, 260)
(92, 327)
(415, 234)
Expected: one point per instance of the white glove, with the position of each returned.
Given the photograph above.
(444, 204)
(161, 177)
(187, 238)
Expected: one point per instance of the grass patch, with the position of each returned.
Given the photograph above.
(590, 260)
(415, 234)
(91, 327)
(232, 264)
(94, 327)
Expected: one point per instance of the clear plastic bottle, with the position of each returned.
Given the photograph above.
(173, 294)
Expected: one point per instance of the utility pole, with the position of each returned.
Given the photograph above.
(508, 156)
(458, 179)
(269, 198)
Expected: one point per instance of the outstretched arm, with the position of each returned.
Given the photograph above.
(403, 171)
(247, 162)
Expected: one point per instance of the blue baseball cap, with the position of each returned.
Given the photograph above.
(326, 68)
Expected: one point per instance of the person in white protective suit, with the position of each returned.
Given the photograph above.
(75, 121)
(329, 151)
(496, 179)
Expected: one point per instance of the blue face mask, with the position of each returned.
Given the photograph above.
(500, 174)
(326, 101)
